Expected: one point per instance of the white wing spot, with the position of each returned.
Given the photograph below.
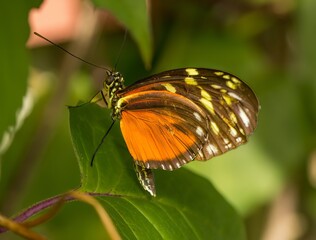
(170, 166)
(229, 146)
(197, 116)
(199, 131)
(234, 95)
(244, 117)
(233, 131)
(211, 149)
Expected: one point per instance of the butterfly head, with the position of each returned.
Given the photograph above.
(113, 83)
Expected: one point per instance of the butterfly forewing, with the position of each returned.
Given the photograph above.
(180, 115)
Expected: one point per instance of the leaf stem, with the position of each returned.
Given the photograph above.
(47, 203)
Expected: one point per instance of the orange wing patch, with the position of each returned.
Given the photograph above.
(157, 139)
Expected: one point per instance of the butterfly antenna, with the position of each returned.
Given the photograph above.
(121, 49)
(71, 54)
(101, 142)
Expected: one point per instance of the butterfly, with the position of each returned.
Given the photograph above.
(177, 116)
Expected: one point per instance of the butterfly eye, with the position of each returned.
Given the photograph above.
(109, 80)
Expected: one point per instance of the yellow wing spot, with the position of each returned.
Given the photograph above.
(227, 99)
(226, 120)
(226, 141)
(218, 73)
(190, 81)
(242, 131)
(166, 76)
(233, 117)
(235, 80)
(231, 85)
(214, 128)
(215, 86)
(232, 130)
(205, 95)
(226, 77)
(208, 105)
(203, 77)
(192, 71)
(223, 90)
(169, 87)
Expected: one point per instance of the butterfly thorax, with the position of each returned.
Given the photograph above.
(112, 84)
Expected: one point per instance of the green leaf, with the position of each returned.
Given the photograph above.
(134, 15)
(186, 207)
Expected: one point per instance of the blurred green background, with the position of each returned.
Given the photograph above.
(270, 44)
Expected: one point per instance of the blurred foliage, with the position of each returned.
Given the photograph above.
(13, 62)
(133, 15)
(267, 43)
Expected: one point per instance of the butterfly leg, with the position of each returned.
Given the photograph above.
(146, 179)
